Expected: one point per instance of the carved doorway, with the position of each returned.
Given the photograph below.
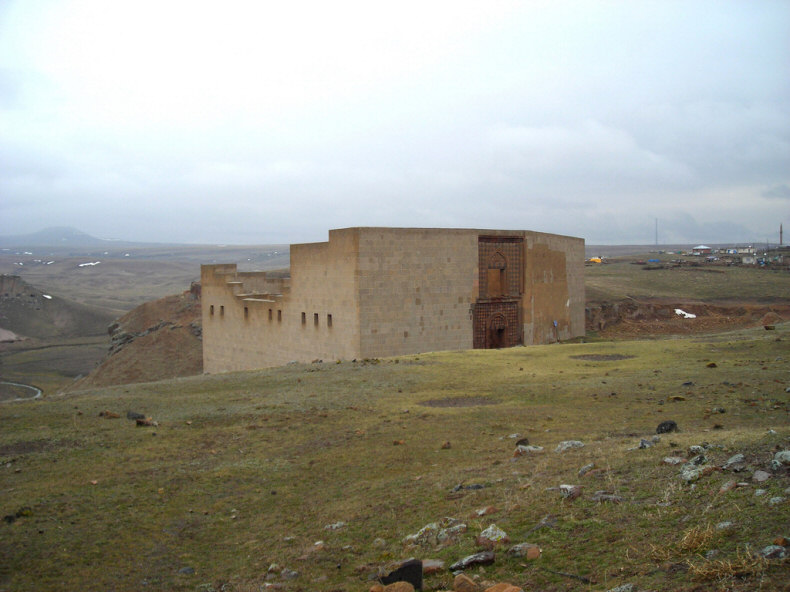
(496, 337)
(496, 324)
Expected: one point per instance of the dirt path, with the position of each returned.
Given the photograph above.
(10, 391)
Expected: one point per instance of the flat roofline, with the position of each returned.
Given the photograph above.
(447, 230)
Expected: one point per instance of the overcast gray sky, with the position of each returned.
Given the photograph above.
(268, 122)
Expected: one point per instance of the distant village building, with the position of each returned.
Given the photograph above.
(376, 292)
(702, 250)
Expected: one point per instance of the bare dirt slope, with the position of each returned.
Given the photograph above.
(642, 318)
(157, 340)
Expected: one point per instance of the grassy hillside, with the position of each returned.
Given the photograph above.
(621, 279)
(252, 469)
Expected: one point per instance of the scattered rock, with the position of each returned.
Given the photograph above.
(398, 587)
(735, 463)
(711, 365)
(432, 566)
(289, 574)
(782, 541)
(482, 558)
(487, 511)
(782, 457)
(526, 550)
(673, 460)
(623, 588)
(524, 449)
(134, 415)
(570, 492)
(435, 533)
(696, 450)
(760, 492)
(728, 486)
(718, 410)
(472, 487)
(774, 501)
(187, 571)
(108, 414)
(146, 422)
(409, 571)
(335, 526)
(645, 444)
(522, 442)
(606, 497)
(463, 583)
(760, 476)
(568, 444)
(446, 445)
(504, 587)
(586, 469)
(693, 469)
(492, 536)
(774, 552)
(726, 526)
(667, 426)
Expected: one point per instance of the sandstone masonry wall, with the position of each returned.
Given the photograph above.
(375, 292)
(417, 287)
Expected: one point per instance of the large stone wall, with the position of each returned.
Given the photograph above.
(417, 287)
(375, 292)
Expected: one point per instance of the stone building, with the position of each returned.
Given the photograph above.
(376, 292)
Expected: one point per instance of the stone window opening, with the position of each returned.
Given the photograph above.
(279, 316)
(211, 310)
(304, 318)
(315, 319)
(270, 314)
(329, 320)
(246, 313)
(222, 310)
(497, 275)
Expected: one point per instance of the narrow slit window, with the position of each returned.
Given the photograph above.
(304, 318)
(211, 310)
(329, 320)
(246, 313)
(315, 319)
(279, 316)
(222, 310)
(270, 314)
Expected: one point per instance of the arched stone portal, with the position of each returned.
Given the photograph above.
(496, 336)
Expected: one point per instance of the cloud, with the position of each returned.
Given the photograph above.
(777, 192)
(261, 123)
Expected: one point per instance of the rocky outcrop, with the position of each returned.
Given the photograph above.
(157, 340)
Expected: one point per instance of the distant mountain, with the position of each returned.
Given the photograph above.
(59, 236)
